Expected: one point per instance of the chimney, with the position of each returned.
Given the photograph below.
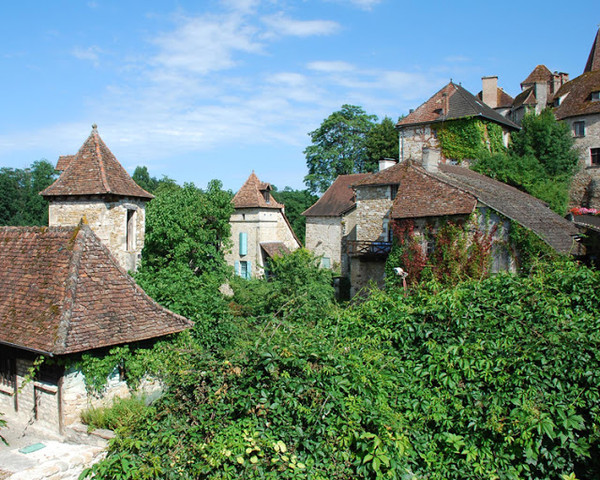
(387, 163)
(431, 159)
(540, 90)
(489, 91)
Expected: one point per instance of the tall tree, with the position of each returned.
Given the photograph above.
(338, 147)
(142, 177)
(20, 202)
(382, 142)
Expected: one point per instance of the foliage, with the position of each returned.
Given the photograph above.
(20, 202)
(296, 201)
(497, 378)
(2, 424)
(467, 138)
(541, 160)
(142, 177)
(338, 147)
(122, 414)
(531, 249)
(297, 288)
(406, 253)
(381, 142)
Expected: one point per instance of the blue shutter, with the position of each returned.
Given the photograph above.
(243, 243)
(237, 268)
(249, 270)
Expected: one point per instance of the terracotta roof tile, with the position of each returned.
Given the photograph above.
(94, 171)
(61, 292)
(251, 195)
(576, 96)
(338, 199)
(526, 97)
(273, 249)
(453, 102)
(541, 73)
(516, 205)
(63, 162)
(503, 99)
(422, 195)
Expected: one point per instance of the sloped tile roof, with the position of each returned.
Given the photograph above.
(540, 73)
(577, 96)
(62, 292)
(251, 195)
(422, 195)
(274, 248)
(460, 104)
(338, 199)
(516, 205)
(526, 97)
(593, 62)
(94, 170)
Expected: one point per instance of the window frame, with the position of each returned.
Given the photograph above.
(579, 129)
(595, 156)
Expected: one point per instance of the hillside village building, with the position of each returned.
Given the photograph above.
(419, 128)
(94, 185)
(63, 292)
(259, 229)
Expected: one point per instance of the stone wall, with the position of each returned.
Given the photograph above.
(260, 225)
(585, 187)
(109, 221)
(414, 139)
(324, 238)
(373, 205)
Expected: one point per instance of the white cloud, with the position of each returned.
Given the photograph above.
(363, 4)
(334, 66)
(91, 54)
(282, 25)
(206, 44)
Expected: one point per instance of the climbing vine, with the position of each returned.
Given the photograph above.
(529, 246)
(467, 137)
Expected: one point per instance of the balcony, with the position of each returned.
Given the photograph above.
(373, 250)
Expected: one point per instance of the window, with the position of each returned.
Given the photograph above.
(595, 96)
(326, 262)
(267, 196)
(579, 129)
(393, 191)
(7, 371)
(130, 232)
(243, 269)
(595, 156)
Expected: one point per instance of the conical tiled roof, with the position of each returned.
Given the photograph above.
(593, 62)
(255, 193)
(94, 171)
(541, 73)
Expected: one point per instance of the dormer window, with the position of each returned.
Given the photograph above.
(595, 96)
(267, 196)
(393, 191)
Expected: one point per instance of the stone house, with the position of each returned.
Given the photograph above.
(65, 292)
(430, 194)
(419, 129)
(578, 104)
(94, 185)
(259, 229)
(331, 222)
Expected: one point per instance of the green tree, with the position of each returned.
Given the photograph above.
(338, 147)
(142, 177)
(20, 202)
(187, 232)
(382, 142)
(296, 201)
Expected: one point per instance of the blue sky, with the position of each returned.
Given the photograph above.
(198, 90)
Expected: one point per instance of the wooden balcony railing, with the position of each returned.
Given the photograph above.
(363, 248)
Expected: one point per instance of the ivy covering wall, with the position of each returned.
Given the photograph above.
(466, 138)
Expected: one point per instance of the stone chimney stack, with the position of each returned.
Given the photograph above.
(431, 159)
(540, 89)
(489, 91)
(387, 163)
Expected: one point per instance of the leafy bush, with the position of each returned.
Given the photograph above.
(122, 414)
(492, 379)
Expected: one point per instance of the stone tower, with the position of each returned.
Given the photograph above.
(94, 186)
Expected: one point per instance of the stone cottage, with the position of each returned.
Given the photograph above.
(65, 292)
(330, 223)
(259, 229)
(578, 104)
(94, 185)
(419, 129)
(430, 194)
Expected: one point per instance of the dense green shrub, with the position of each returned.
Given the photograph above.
(122, 414)
(492, 379)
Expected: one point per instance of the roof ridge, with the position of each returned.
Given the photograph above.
(593, 61)
(72, 281)
(97, 141)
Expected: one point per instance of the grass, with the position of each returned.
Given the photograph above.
(123, 413)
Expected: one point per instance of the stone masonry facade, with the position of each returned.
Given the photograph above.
(324, 238)
(414, 139)
(585, 187)
(120, 224)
